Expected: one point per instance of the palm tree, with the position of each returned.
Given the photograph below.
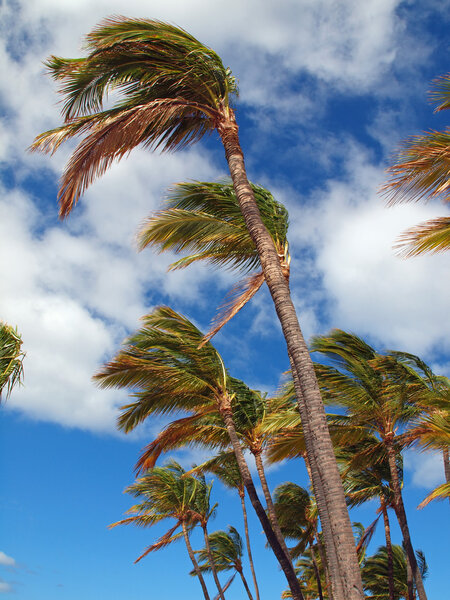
(420, 171)
(226, 548)
(174, 90)
(366, 476)
(375, 571)
(379, 396)
(298, 518)
(225, 467)
(11, 358)
(168, 372)
(165, 493)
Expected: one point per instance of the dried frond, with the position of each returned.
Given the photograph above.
(431, 237)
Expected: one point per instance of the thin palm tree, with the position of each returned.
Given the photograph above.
(226, 548)
(168, 372)
(11, 359)
(225, 467)
(379, 397)
(420, 171)
(174, 90)
(165, 492)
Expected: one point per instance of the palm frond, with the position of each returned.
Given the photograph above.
(11, 358)
(441, 492)
(432, 236)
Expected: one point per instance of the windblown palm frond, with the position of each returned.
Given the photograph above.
(440, 493)
(11, 358)
(204, 220)
(170, 87)
(429, 237)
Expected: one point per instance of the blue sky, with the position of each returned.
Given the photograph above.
(327, 91)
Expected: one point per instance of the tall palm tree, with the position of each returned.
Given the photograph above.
(226, 548)
(166, 493)
(174, 90)
(168, 372)
(11, 358)
(379, 397)
(420, 171)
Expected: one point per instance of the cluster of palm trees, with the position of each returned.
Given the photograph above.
(172, 90)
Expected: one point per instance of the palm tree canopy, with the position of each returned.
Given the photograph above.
(205, 218)
(172, 89)
(226, 548)
(165, 368)
(166, 492)
(11, 358)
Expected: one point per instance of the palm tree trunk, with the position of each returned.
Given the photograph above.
(401, 516)
(194, 562)
(317, 572)
(288, 570)
(244, 581)
(212, 563)
(226, 586)
(247, 541)
(323, 560)
(390, 560)
(269, 502)
(310, 402)
(409, 578)
(446, 459)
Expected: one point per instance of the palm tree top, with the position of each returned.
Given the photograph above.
(171, 91)
(205, 218)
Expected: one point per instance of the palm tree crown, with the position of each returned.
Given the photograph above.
(11, 358)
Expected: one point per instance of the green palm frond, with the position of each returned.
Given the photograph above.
(440, 92)
(11, 358)
(164, 368)
(205, 219)
(226, 548)
(430, 237)
(441, 492)
(170, 89)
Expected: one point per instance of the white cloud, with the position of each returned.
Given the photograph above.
(427, 468)
(401, 303)
(5, 587)
(6, 560)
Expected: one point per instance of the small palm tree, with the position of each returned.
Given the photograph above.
(165, 493)
(226, 548)
(173, 90)
(420, 171)
(168, 372)
(375, 569)
(11, 359)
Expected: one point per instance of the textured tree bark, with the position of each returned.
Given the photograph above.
(323, 560)
(247, 541)
(211, 562)
(310, 403)
(387, 534)
(401, 517)
(226, 413)
(194, 562)
(270, 506)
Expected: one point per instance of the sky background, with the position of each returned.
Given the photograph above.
(327, 91)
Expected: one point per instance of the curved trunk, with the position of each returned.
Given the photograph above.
(212, 563)
(226, 413)
(316, 572)
(244, 581)
(247, 541)
(310, 402)
(390, 559)
(194, 562)
(401, 517)
(270, 506)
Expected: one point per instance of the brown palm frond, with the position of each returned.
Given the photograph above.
(432, 236)
(440, 493)
(163, 541)
(237, 297)
(421, 169)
